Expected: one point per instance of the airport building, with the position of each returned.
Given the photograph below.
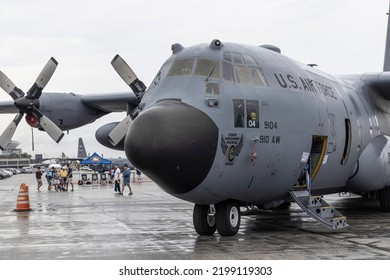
(14, 162)
(12, 157)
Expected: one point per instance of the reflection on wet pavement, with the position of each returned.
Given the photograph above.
(94, 223)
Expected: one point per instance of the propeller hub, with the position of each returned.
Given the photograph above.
(29, 104)
(31, 120)
(25, 104)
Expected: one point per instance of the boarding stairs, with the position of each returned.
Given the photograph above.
(316, 207)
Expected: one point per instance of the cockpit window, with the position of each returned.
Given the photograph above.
(207, 68)
(181, 67)
(235, 68)
(249, 60)
(237, 58)
(252, 108)
(227, 72)
(243, 76)
(238, 112)
(258, 77)
(227, 56)
(212, 88)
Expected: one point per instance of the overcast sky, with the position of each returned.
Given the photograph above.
(342, 37)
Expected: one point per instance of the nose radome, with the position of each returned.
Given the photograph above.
(174, 144)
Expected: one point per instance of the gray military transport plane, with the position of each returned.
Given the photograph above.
(228, 126)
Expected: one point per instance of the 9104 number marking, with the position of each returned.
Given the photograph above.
(270, 125)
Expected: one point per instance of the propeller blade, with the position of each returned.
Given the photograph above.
(6, 84)
(6, 136)
(43, 78)
(46, 73)
(9, 87)
(128, 75)
(123, 69)
(51, 128)
(117, 134)
(47, 125)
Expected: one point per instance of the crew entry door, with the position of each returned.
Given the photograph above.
(314, 161)
(317, 154)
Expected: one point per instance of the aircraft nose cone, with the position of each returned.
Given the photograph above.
(174, 144)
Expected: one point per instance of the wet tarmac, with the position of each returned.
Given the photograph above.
(94, 223)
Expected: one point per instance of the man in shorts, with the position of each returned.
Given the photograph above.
(70, 178)
(126, 178)
(38, 177)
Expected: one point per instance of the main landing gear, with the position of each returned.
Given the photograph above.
(225, 217)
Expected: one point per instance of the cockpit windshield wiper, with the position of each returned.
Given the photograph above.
(211, 73)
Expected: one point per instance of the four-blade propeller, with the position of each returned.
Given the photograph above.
(29, 104)
(137, 86)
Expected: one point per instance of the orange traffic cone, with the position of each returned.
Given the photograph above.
(23, 201)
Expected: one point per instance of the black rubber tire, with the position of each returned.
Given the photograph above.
(203, 224)
(228, 218)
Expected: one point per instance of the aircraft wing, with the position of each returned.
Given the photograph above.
(380, 82)
(106, 102)
(110, 102)
(8, 107)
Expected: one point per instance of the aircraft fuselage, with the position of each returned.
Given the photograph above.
(241, 122)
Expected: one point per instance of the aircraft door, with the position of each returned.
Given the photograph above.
(317, 154)
(315, 159)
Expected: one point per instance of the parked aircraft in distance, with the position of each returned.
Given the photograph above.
(81, 155)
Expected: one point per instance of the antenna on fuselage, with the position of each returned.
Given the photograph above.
(386, 64)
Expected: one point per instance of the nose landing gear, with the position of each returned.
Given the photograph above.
(204, 219)
(224, 217)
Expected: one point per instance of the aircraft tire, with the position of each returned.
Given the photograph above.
(203, 223)
(384, 199)
(228, 218)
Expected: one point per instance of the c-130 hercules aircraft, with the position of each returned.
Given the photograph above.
(227, 125)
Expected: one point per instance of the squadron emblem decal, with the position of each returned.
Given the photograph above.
(231, 146)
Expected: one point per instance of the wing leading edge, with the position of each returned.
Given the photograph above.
(8, 107)
(110, 102)
(106, 102)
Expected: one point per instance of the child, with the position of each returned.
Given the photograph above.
(49, 177)
(138, 174)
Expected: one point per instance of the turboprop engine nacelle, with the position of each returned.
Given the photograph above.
(102, 136)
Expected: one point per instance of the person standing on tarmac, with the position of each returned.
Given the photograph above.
(138, 174)
(117, 180)
(70, 179)
(63, 176)
(49, 177)
(126, 179)
(55, 181)
(38, 177)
